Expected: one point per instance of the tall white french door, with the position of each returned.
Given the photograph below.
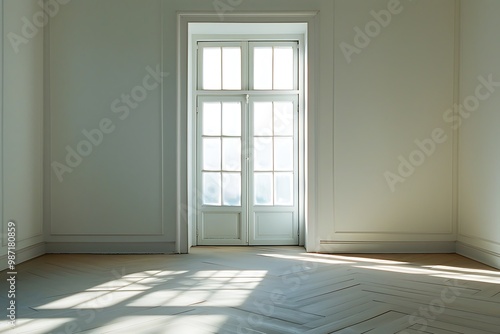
(247, 143)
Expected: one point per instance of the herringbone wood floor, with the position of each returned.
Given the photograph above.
(255, 290)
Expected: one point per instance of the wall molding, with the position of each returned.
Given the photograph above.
(479, 254)
(3, 222)
(50, 229)
(456, 133)
(396, 232)
(473, 237)
(111, 247)
(24, 254)
(328, 246)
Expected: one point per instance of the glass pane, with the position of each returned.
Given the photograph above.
(283, 185)
(211, 189)
(211, 153)
(283, 118)
(212, 68)
(231, 119)
(263, 188)
(211, 119)
(283, 154)
(231, 68)
(263, 68)
(283, 68)
(231, 189)
(231, 157)
(263, 154)
(263, 118)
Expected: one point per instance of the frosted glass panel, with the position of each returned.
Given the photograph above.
(231, 68)
(212, 68)
(231, 119)
(283, 154)
(211, 119)
(263, 188)
(283, 185)
(263, 68)
(231, 189)
(283, 118)
(231, 157)
(263, 118)
(283, 68)
(211, 154)
(263, 153)
(211, 189)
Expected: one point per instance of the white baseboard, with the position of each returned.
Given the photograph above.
(24, 254)
(111, 247)
(482, 255)
(479, 254)
(387, 247)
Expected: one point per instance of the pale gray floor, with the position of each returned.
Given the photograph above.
(255, 290)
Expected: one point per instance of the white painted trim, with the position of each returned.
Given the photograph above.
(403, 234)
(257, 17)
(111, 247)
(456, 133)
(477, 238)
(387, 247)
(3, 225)
(479, 254)
(24, 254)
(162, 124)
(182, 242)
(312, 85)
(47, 132)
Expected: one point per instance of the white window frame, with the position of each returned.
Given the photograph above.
(247, 44)
(188, 26)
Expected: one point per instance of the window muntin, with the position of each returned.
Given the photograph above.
(252, 68)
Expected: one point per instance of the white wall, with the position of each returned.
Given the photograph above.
(100, 52)
(22, 130)
(369, 112)
(479, 181)
(392, 91)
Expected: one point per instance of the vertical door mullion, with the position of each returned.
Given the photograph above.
(246, 147)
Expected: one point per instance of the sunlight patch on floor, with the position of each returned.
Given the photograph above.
(305, 259)
(27, 325)
(89, 300)
(355, 258)
(466, 270)
(475, 278)
(403, 269)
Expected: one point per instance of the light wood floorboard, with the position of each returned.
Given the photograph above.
(255, 290)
